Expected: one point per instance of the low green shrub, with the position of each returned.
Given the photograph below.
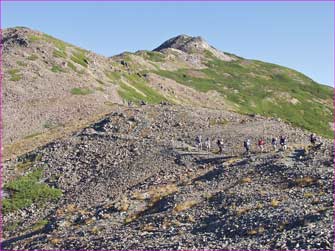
(57, 69)
(15, 75)
(21, 63)
(81, 91)
(27, 190)
(79, 57)
(59, 53)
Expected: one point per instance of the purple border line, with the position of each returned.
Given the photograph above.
(1, 126)
(205, 1)
(334, 128)
(1, 78)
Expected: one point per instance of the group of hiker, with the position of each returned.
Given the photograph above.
(247, 143)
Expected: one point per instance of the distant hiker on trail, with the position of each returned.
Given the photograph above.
(198, 142)
(274, 143)
(208, 144)
(261, 144)
(246, 145)
(220, 145)
(282, 142)
(313, 139)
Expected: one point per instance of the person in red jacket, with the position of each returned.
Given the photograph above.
(261, 144)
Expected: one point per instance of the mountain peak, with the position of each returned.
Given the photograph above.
(191, 45)
(183, 42)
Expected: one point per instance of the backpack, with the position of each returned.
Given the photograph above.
(282, 141)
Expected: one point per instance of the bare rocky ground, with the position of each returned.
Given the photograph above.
(134, 180)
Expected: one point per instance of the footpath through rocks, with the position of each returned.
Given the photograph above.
(135, 180)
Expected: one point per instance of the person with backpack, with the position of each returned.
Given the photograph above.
(261, 144)
(313, 139)
(208, 144)
(282, 142)
(246, 145)
(198, 142)
(274, 143)
(220, 145)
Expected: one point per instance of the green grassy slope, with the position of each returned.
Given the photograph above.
(266, 89)
(251, 86)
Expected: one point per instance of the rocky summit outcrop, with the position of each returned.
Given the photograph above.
(192, 45)
(135, 180)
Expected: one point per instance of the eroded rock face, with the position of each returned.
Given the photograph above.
(15, 37)
(135, 180)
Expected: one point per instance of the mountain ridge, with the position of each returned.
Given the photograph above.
(41, 70)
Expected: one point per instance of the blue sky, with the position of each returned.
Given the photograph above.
(299, 35)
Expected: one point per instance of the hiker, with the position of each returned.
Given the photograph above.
(261, 144)
(313, 139)
(246, 145)
(208, 144)
(198, 142)
(274, 143)
(282, 142)
(220, 145)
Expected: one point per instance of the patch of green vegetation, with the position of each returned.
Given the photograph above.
(59, 53)
(154, 56)
(113, 76)
(33, 57)
(79, 57)
(21, 63)
(57, 69)
(137, 90)
(39, 225)
(34, 38)
(266, 89)
(13, 71)
(81, 91)
(28, 190)
(24, 165)
(59, 44)
(15, 75)
(72, 66)
(11, 227)
(181, 76)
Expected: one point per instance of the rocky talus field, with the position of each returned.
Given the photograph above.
(99, 153)
(135, 180)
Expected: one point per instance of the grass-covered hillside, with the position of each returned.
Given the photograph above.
(264, 88)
